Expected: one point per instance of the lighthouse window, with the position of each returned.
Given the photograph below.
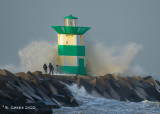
(74, 22)
(71, 22)
(67, 22)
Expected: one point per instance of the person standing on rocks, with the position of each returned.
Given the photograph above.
(45, 68)
(51, 69)
(57, 71)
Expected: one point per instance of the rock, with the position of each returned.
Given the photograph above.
(95, 93)
(66, 79)
(36, 89)
(53, 89)
(39, 74)
(28, 77)
(84, 82)
(110, 84)
(106, 95)
(6, 73)
(149, 79)
(158, 82)
(101, 88)
(115, 77)
(3, 95)
(48, 104)
(7, 76)
(138, 78)
(152, 93)
(120, 88)
(43, 95)
(157, 85)
(45, 91)
(141, 93)
(45, 110)
(134, 82)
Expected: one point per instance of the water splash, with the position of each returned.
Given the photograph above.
(99, 58)
(102, 60)
(34, 55)
(96, 105)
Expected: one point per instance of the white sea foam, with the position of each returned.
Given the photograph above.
(96, 105)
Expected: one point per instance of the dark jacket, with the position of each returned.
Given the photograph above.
(51, 67)
(45, 67)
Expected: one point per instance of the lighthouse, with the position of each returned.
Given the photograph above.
(71, 47)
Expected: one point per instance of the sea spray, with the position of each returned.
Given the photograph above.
(96, 105)
(34, 55)
(100, 59)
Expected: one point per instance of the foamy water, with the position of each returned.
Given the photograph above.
(97, 105)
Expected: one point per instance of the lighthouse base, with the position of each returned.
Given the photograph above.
(77, 70)
(72, 70)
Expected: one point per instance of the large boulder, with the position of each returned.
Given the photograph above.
(36, 89)
(83, 81)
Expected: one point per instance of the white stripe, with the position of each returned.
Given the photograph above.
(67, 60)
(69, 39)
(70, 60)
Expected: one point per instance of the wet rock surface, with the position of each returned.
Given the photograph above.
(32, 93)
(40, 93)
(110, 86)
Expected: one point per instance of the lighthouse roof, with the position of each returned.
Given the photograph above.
(70, 29)
(70, 17)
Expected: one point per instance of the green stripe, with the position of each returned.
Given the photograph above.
(73, 70)
(81, 69)
(68, 69)
(71, 50)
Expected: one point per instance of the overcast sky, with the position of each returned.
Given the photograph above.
(112, 22)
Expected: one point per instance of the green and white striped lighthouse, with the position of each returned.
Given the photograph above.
(71, 47)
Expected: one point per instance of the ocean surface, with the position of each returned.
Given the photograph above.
(99, 105)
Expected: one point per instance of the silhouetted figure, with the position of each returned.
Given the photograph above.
(45, 68)
(51, 68)
(57, 71)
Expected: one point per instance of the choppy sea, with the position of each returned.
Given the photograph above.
(99, 105)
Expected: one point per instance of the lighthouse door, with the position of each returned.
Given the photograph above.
(82, 70)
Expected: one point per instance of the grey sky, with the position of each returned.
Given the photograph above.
(112, 22)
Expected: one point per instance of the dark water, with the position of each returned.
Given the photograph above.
(99, 105)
